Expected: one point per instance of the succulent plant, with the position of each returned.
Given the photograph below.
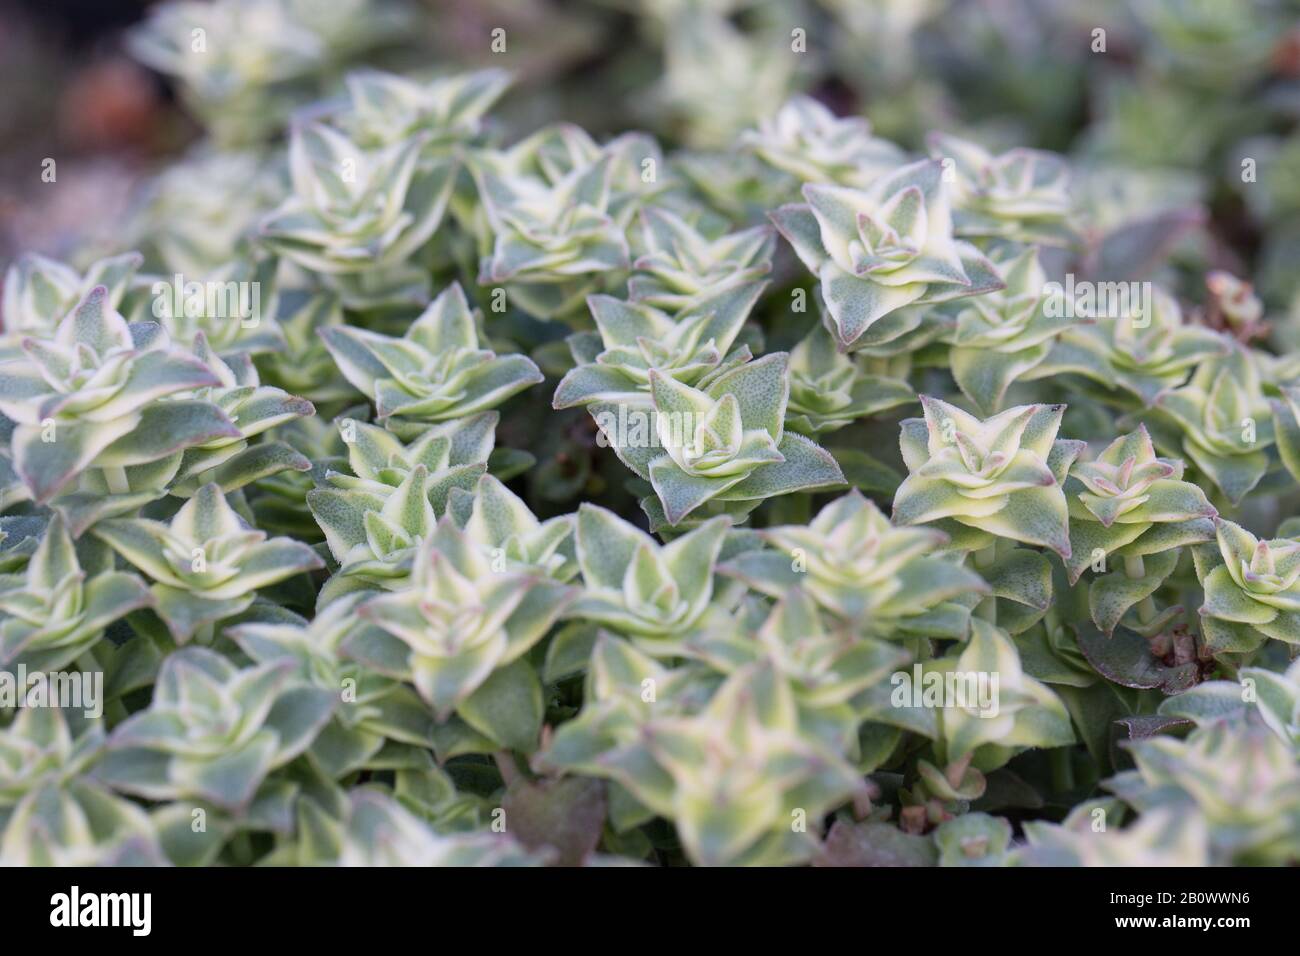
(375, 519)
(457, 624)
(1237, 776)
(1141, 355)
(269, 467)
(373, 715)
(53, 815)
(1002, 476)
(693, 347)
(1225, 421)
(877, 251)
(254, 408)
(56, 611)
(1005, 333)
(376, 830)
(1252, 589)
(553, 226)
(829, 389)
(207, 564)
(1129, 503)
(884, 580)
(1022, 195)
(681, 266)
(436, 371)
(726, 442)
(358, 210)
(809, 142)
(213, 732)
(88, 398)
(245, 64)
(635, 586)
(385, 108)
(40, 292)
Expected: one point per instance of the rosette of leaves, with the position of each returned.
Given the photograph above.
(51, 812)
(356, 215)
(213, 732)
(459, 631)
(55, 610)
(1002, 476)
(624, 689)
(498, 521)
(715, 773)
(384, 109)
(1139, 355)
(1022, 194)
(884, 580)
(40, 292)
(693, 347)
(207, 564)
(1129, 503)
(1004, 333)
(635, 586)
(829, 668)
(877, 251)
(436, 371)
(681, 265)
(725, 443)
(552, 229)
(1237, 775)
(88, 398)
(375, 518)
(376, 720)
(1252, 589)
(809, 142)
(254, 408)
(1023, 712)
(245, 64)
(829, 389)
(1222, 422)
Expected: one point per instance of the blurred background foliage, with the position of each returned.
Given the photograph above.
(1179, 117)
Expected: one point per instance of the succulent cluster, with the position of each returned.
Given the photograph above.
(405, 490)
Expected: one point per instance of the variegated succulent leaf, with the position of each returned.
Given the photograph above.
(90, 397)
(1002, 476)
(55, 611)
(213, 732)
(207, 563)
(879, 250)
(885, 580)
(1252, 589)
(693, 346)
(1022, 194)
(436, 371)
(457, 623)
(724, 443)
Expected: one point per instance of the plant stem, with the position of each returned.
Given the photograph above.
(1135, 568)
(115, 478)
